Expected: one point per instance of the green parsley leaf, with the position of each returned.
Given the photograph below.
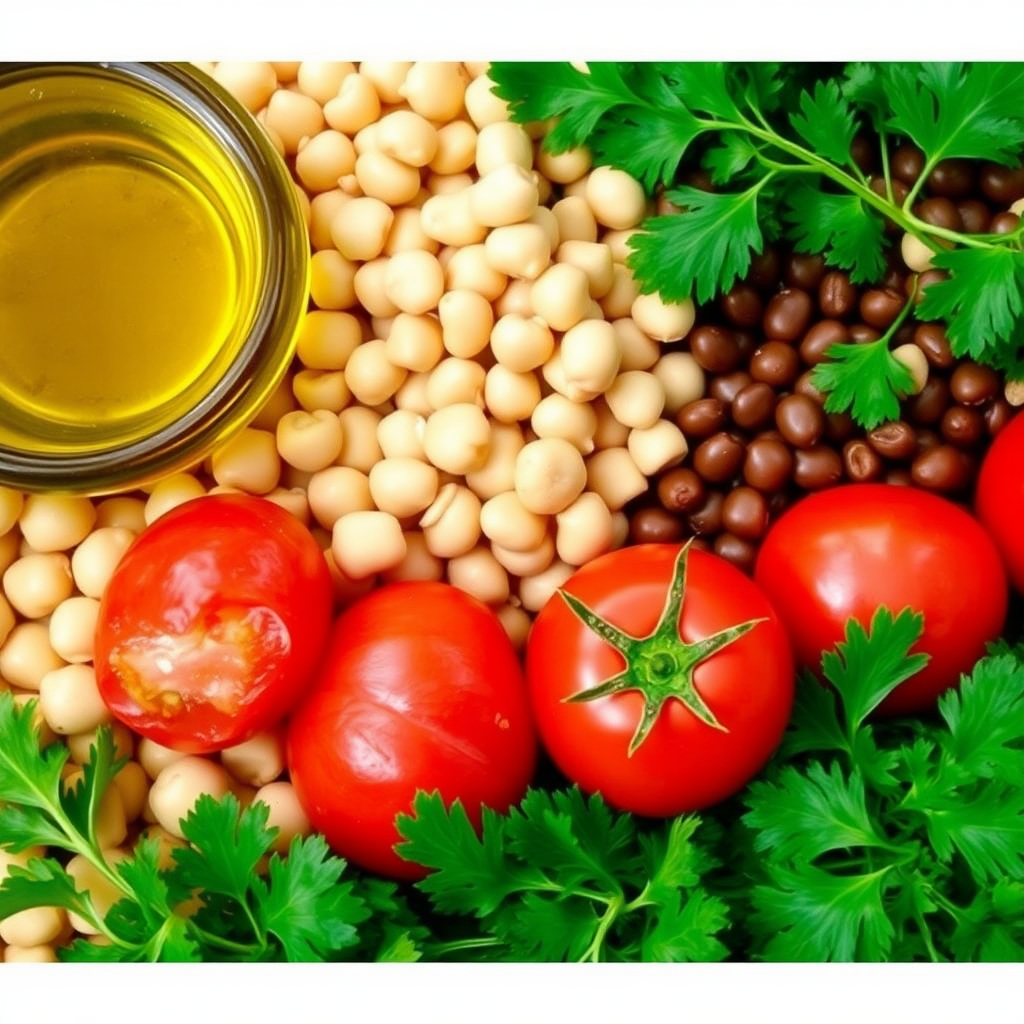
(684, 932)
(27, 777)
(43, 883)
(82, 803)
(728, 160)
(826, 122)
(991, 929)
(647, 144)
(702, 250)
(866, 379)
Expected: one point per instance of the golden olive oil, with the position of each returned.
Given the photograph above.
(126, 266)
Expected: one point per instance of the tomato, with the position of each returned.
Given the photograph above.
(999, 498)
(697, 704)
(844, 552)
(420, 688)
(212, 623)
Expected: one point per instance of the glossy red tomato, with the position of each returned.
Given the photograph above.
(212, 623)
(1000, 496)
(420, 688)
(714, 716)
(844, 552)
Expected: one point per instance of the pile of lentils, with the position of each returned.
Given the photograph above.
(760, 437)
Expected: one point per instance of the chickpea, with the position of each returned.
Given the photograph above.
(526, 563)
(180, 784)
(617, 198)
(170, 492)
(575, 220)
(324, 160)
(584, 530)
(256, 761)
(638, 351)
(37, 926)
(636, 399)
(657, 447)
(408, 137)
(10, 548)
(506, 521)
(322, 79)
(287, 71)
(56, 522)
(332, 281)
(44, 954)
(549, 475)
(415, 342)
(132, 785)
(356, 105)
(370, 375)
(286, 813)
(360, 228)
(456, 381)
(519, 250)
(337, 490)
(563, 168)
(111, 823)
(516, 624)
(451, 526)
(613, 474)
(470, 268)
(11, 504)
(456, 148)
(154, 758)
(403, 486)
(447, 218)
(293, 117)
(663, 321)
(917, 255)
(466, 319)
(327, 338)
(27, 655)
(418, 564)
(400, 434)
(482, 105)
(414, 281)
(497, 473)
(561, 296)
(503, 144)
(35, 584)
(916, 362)
(590, 357)
(7, 620)
(505, 195)
(369, 285)
(435, 89)
(509, 396)
(515, 299)
(360, 449)
(558, 416)
(320, 389)
(407, 233)
(309, 441)
(166, 843)
(251, 82)
(386, 178)
(618, 302)
(323, 208)
(457, 437)
(248, 461)
(535, 591)
(80, 743)
(365, 543)
(293, 500)
(72, 627)
(479, 573)
(618, 242)
(102, 892)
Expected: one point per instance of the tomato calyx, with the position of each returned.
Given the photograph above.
(660, 665)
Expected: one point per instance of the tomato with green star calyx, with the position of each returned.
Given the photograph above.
(660, 677)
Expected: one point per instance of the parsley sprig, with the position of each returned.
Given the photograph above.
(900, 840)
(226, 897)
(779, 138)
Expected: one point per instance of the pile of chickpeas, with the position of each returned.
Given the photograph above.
(480, 395)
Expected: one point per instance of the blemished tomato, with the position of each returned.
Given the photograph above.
(212, 623)
(662, 709)
(844, 552)
(999, 499)
(420, 688)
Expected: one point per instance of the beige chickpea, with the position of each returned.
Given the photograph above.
(356, 104)
(609, 432)
(447, 218)
(510, 396)
(516, 623)
(257, 760)
(178, 786)
(321, 389)
(403, 486)
(407, 233)
(248, 461)
(467, 320)
(594, 259)
(917, 255)
(470, 268)
(535, 591)
(80, 743)
(370, 375)
(575, 220)
(293, 500)
(415, 342)
(505, 195)
(251, 82)
(287, 71)
(408, 137)
(309, 441)
(549, 475)
(336, 491)
(111, 820)
(419, 562)
(584, 530)
(359, 449)
(386, 178)
(506, 521)
(293, 117)
(618, 301)
(10, 548)
(324, 159)
(590, 357)
(365, 543)
(35, 584)
(515, 299)
(11, 504)
(617, 198)
(456, 148)
(323, 208)
(121, 511)
(27, 655)
(414, 281)
(681, 377)
(526, 563)
(615, 477)
(56, 522)
(286, 813)
(44, 954)
(327, 339)
(36, 926)
(332, 280)
(636, 399)
(457, 437)
(563, 168)
(400, 434)
(72, 628)
(619, 243)
(132, 786)
(360, 227)
(502, 144)
(435, 89)
(637, 350)
(664, 321)
(519, 251)
(497, 473)
(557, 416)
(482, 105)
(480, 574)
(657, 447)
(322, 79)
(7, 621)
(170, 492)
(914, 359)
(451, 525)
(456, 382)
(387, 77)
(561, 296)
(370, 290)
(154, 758)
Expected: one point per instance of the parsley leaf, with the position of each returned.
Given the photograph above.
(826, 122)
(866, 379)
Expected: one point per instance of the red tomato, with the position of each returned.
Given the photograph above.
(844, 552)
(212, 623)
(711, 730)
(1000, 496)
(420, 688)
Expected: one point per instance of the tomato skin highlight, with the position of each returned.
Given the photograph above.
(683, 764)
(844, 552)
(420, 688)
(212, 623)
(999, 497)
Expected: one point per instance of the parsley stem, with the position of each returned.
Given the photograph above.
(592, 953)
(458, 945)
